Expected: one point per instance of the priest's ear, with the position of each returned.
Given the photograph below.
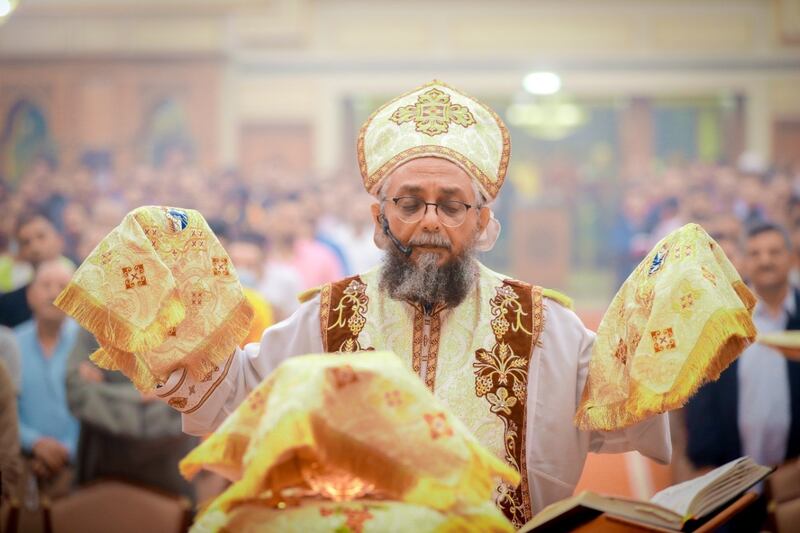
(378, 236)
(484, 215)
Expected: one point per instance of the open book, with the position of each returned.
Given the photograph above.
(677, 507)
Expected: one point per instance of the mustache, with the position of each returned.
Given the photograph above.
(431, 239)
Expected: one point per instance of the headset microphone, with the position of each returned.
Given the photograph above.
(405, 250)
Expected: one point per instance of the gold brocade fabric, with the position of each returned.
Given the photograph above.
(492, 333)
(679, 320)
(362, 416)
(159, 292)
(435, 120)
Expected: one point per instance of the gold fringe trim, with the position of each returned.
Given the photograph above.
(115, 330)
(131, 365)
(743, 291)
(220, 343)
(204, 359)
(726, 334)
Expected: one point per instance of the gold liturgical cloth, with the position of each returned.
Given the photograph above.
(159, 292)
(323, 430)
(680, 319)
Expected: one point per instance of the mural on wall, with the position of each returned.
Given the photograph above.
(167, 133)
(25, 138)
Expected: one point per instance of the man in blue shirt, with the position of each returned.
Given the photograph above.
(48, 431)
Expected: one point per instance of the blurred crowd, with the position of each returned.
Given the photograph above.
(724, 200)
(284, 234)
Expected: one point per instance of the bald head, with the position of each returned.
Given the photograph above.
(50, 279)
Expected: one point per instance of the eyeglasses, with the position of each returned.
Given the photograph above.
(411, 210)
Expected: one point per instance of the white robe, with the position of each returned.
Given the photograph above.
(556, 449)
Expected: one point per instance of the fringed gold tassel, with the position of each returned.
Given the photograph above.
(102, 359)
(115, 331)
(220, 343)
(725, 335)
(129, 364)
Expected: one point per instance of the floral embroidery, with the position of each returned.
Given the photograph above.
(437, 423)
(501, 401)
(354, 299)
(501, 363)
(134, 276)
(663, 339)
(506, 300)
(516, 324)
(433, 113)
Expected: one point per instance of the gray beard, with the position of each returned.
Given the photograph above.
(426, 283)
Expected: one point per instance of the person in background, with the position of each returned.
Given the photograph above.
(10, 356)
(124, 434)
(754, 407)
(247, 254)
(38, 241)
(9, 440)
(48, 431)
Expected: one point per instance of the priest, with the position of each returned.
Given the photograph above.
(510, 359)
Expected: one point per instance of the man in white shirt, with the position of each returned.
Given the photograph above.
(510, 359)
(754, 408)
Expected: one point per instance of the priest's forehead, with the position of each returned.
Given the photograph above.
(431, 173)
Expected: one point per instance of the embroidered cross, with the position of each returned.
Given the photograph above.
(663, 339)
(687, 300)
(437, 423)
(134, 276)
(220, 266)
(197, 297)
(393, 398)
(433, 113)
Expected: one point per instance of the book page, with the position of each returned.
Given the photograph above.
(679, 497)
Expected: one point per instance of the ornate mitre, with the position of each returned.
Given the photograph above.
(435, 120)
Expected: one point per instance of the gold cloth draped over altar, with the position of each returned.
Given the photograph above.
(350, 426)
